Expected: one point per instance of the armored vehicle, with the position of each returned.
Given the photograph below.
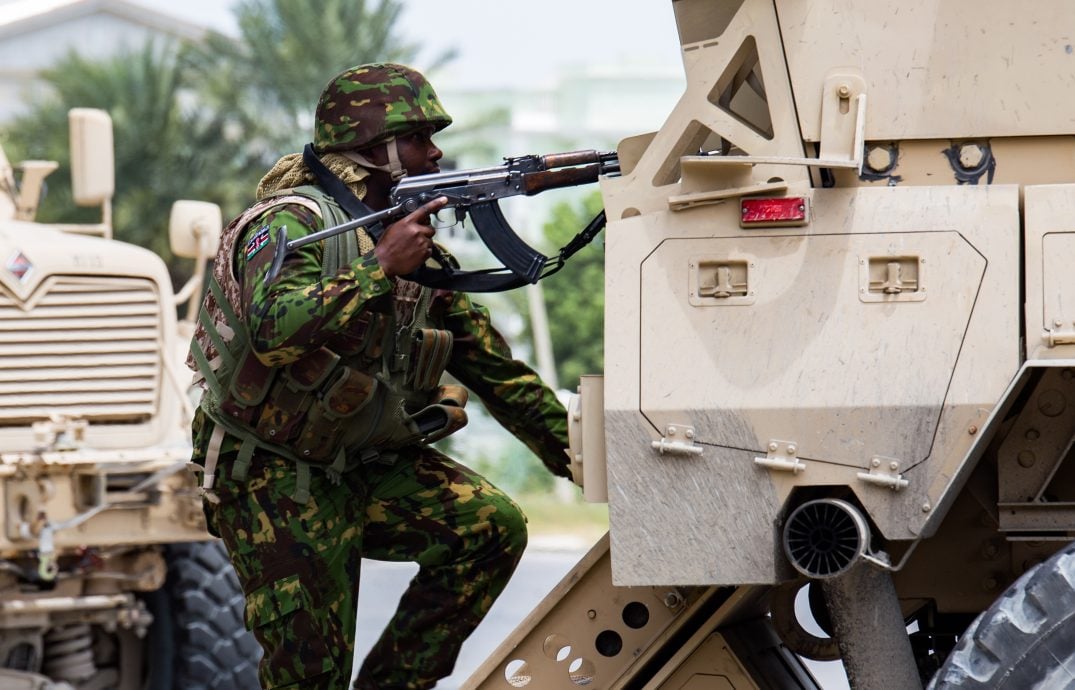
(840, 362)
(107, 575)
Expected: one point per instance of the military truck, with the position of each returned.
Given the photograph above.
(108, 578)
(840, 362)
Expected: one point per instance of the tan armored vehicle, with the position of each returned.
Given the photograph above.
(107, 579)
(840, 361)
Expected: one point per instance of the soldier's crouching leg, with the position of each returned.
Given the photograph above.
(299, 568)
(467, 537)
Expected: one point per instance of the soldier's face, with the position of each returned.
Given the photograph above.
(417, 153)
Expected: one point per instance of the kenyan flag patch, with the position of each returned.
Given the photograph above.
(256, 243)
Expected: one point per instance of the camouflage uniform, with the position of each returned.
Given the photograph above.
(296, 542)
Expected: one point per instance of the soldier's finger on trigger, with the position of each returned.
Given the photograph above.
(431, 207)
(423, 212)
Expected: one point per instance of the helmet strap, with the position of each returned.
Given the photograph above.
(394, 168)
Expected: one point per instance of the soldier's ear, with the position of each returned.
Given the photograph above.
(375, 157)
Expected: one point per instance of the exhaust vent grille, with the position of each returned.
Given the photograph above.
(824, 538)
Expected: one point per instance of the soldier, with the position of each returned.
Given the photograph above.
(323, 393)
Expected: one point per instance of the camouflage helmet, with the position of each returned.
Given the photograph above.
(370, 104)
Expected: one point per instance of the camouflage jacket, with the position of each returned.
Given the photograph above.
(302, 311)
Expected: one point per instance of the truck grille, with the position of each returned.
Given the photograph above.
(82, 347)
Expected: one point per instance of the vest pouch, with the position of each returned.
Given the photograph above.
(432, 348)
(290, 398)
(365, 337)
(249, 386)
(311, 371)
(325, 428)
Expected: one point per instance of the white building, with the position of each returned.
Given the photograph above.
(34, 34)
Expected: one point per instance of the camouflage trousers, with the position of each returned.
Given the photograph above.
(299, 564)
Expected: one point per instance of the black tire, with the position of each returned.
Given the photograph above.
(1017, 642)
(198, 638)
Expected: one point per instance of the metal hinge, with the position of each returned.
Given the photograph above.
(884, 472)
(782, 457)
(678, 440)
(1056, 337)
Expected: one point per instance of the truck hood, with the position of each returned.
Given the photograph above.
(31, 252)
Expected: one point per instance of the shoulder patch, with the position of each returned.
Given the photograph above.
(256, 243)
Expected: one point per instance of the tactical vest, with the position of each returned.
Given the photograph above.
(356, 399)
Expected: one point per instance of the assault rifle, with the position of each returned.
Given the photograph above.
(476, 193)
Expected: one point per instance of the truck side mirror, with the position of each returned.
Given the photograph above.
(93, 170)
(194, 229)
(194, 233)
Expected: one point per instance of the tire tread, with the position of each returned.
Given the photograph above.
(1009, 643)
(215, 648)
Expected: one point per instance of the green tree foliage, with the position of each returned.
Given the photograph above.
(166, 148)
(203, 121)
(575, 297)
(269, 80)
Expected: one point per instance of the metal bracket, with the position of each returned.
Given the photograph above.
(884, 472)
(713, 178)
(843, 127)
(1058, 337)
(33, 180)
(843, 119)
(678, 440)
(782, 457)
(736, 187)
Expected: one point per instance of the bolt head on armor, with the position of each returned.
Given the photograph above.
(366, 105)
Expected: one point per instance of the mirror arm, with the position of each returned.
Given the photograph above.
(191, 291)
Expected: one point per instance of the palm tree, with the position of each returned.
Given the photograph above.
(166, 146)
(270, 79)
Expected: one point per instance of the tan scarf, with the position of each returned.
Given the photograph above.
(290, 171)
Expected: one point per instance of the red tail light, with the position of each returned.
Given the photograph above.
(783, 211)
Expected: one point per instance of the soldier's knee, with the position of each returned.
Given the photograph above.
(511, 524)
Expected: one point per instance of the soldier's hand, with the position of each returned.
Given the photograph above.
(407, 243)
